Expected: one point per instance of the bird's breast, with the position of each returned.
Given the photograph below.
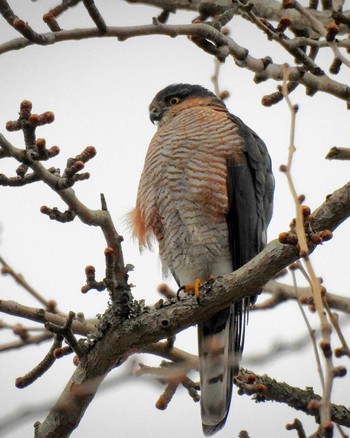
(183, 189)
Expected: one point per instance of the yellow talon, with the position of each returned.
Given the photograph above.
(192, 288)
(197, 285)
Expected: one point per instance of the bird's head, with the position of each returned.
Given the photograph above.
(174, 95)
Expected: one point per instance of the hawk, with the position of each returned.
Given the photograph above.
(206, 194)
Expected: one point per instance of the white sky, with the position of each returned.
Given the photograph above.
(99, 91)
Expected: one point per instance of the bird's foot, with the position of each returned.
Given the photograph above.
(191, 289)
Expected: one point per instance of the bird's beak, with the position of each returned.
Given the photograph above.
(155, 115)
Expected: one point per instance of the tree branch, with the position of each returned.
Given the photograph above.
(264, 388)
(121, 340)
(42, 316)
(226, 46)
(284, 292)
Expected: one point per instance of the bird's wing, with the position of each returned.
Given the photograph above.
(221, 338)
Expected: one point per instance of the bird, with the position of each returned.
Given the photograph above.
(206, 195)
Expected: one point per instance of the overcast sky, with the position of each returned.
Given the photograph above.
(100, 90)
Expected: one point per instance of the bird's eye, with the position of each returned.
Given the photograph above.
(173, 101)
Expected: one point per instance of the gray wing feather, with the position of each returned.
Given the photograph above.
(221, 338)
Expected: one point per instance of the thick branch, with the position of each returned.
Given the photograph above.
(336, 153)
(149, 327)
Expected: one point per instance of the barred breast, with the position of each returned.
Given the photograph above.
(182, 198)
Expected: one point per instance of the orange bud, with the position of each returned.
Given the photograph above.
(326, 235)
(316, 239)
(314, 405)
(260, 388)
(251, 378)
(85, 289)
(20, 331)
(91, 150)
(326, 348)
(48, 18)
(51, 305)
(48, 117)
(304, 300)
(224, 95)
(328, 427)
(332, 30)
(19, 24)
(79, 165)
(44, 209)
(40, 143)
(267, 100)
(5, 270)
(34, 119)
(335, 66)
(283, 168)
(339, 352)
(339, 371)
(54, 150)
(285, 22)
(26, 105)
(283, 237)
(288, 4)
(57, 353)
(13, 125)
(109, 251)
(90, 270)
(305, 210)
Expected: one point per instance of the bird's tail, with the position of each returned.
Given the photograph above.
(220, 344)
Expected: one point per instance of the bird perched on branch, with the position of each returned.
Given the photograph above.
(206, 194)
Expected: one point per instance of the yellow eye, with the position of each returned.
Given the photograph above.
(173, 101)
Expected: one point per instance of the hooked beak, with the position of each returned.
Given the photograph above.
(155, 115)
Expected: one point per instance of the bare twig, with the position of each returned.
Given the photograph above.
(116, 278)
(42, 316)
(30, 340)
(66, 333)
(311, 333)
(320, 28)
(95, 15)
(300, 232)
(42, 367)
(240, 54)
(7, 269)
(298, 426)
(21, 26)
(325, 344)
(282, 292)
(344, 350)
(266, 389)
